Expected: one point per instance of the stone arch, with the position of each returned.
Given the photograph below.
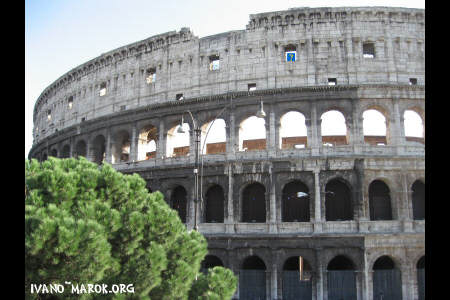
(147, 142)
(213, 137)
(387, 283)
(295, 202)
(178, 201)
(420, 269)
(293, 130)
(209, 262)
(252, 134)
(380, 206)
(334, 129)
(214, 204)
(414, 125)
(178, 144)
(341, 278)
(99, 149)
(338, 200)
(121, 147)
(254, 203)
(375, 125)
(252, 278)
(54, 152)
(65, 152)
(296, 278)
(80, 149)
(418, 200)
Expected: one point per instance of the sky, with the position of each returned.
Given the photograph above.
(60, 35)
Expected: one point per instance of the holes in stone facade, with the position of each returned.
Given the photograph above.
(49, 114)
(414, 129)
(179, 97)
(99, 149)
(80, 149)
(333, 129)
(379, 201)
(214, 205)
(214, 63)
(252, 279)
(295, 202)
(151, 75)
(387, 282)
(338, 201)
(148, 137)
(251, 87)
(374, 128)
(70, 102)
(209, 262)
(254, 203)
(418, 200)
(332, 81)
(293, 131)
(178, 143)
(121, 147)
(178, 201)
(252, 134)
(213, 137)
(102, 91)
(368, 50)
(65, 153)
(413, 81)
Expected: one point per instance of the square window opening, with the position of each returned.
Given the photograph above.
(332, 81)
(179, 97)
(151, 75)
(290, 53)
(70, 102)
(251, 87)
(214, 63)
(103, 89)
(413, 81)
(368, 50)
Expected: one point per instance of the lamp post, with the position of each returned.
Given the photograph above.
(197, 132)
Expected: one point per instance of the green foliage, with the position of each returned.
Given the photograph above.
(90, 224)
(218, 284)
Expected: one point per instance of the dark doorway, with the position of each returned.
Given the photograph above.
(418, 200)
(179, 202)
(80, 149)
(254, 203)
(379, 201)
(295, 202)
(210, 261)
(421, 278)
(293, 287)
(54, 153)
(252, 279)
(65, 152)
(214, 205)
(99, 149)
(338, 201)
(341, 279)
(387, 282)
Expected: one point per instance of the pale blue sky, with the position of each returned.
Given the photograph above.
(60, 35)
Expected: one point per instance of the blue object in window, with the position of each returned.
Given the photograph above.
(291, 56)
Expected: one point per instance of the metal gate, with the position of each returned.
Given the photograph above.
(387, 285)
(421, 283)
(252, 285)
(341, 285)
(293, 288)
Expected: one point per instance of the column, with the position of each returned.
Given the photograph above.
(395, 128)
(317, 204)
(71, 147)
(406, 214)
(271, 136)
(320, 273)
(108, 156)
(133, 143)
(89, 155)
(365, 277)
(316, 136)
(272, 203)
(231, 136)
(161, 148)
(274, 280)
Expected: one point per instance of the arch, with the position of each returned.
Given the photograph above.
(65, 153)
(121, 147)
(178, 143)
(418, 200)
(252, 134)
(338, 201)
(387, 283)
(413, 126)
(293, 131)
(99, 149)
(178, 201)
(374, 127)
(44, 156)
(295, 202)
(213, 137)
(254, 203)
(252, 278)
(54, 153)
(214, 206)
(379, 201)
(148, 137)
(421, 278)
(211, 261)
(296, 284)
(333, 128)
(341, 278)
(80, 149)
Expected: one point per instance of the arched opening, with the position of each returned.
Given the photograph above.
(295, 202)
(293, 132)
(296, 282)
(414, 129)
(177, 142)
(341, 279)
(421, 278)
(121, 147)
(80, 149)
(338, 201)
(252, 134)
(213, 138)
(178, 202)
(99, 149)
(252, 279)
(418, 200)
(54, 153)
(209, 262)
(214, 209)
(379, 201)
(387, 282)
(148, 137)
(254, 203)
(333, 129)
(374, 128)
(44, 156)
(65, 153)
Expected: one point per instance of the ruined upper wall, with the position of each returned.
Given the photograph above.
(328, 42)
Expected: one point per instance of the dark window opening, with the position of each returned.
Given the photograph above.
(214, 205)
(340, 263)
(413, 81)
(418, 200)
(251, 87)
(254, 203)
(65, 153)
(387, 283)
(252, 279)
(384, 263)
(70, 102)
(253, 263)
(293, 264)
(102, 89)
(80, 149)
(151, 75)
(421, 278)
(332, 81)
(214, 62)
(421, 263)
(368, 50)
(179, 202)
(179, 97)
(122, 107)
(49, 114)
(379, 201)
(54, 153)
(338, 201)
(83, 119)
(295, 202)
(99, 149)
(209, 262)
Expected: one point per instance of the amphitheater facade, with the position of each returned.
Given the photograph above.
(351, 205)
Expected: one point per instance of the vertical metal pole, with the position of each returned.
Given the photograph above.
(197, 148)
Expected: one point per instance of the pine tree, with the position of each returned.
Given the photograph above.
(90, 224)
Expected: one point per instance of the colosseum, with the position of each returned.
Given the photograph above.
(297, 213)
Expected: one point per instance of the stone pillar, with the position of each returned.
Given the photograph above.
(365, 278)
(320, 274)
(162, 141)
(108, 156)
(134, 143)
(274, 281)
(272, 203)
(71, 147)
(231, 147)
(350, 130)
(406, 215)
(308, 133)
(396, 128)
(271, 137)
(317, 202)
(229, 223)
(316, 138)
(89, 155)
